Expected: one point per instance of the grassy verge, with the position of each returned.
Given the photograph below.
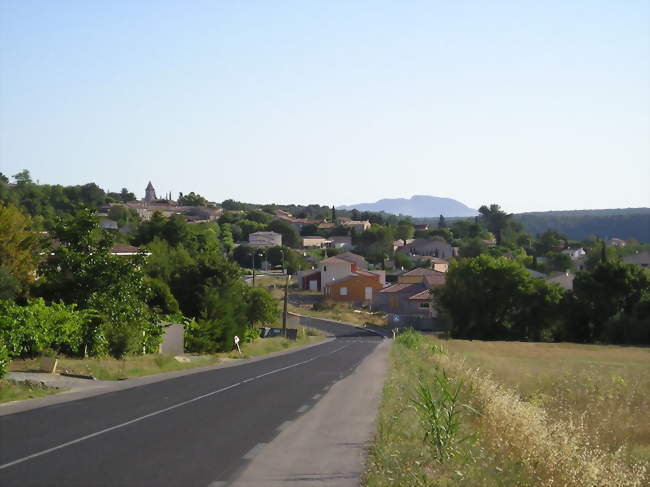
(136, 366)
(499, 437)
(341, 312)
(265, 346)
(17, 391)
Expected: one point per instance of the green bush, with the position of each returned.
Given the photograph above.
(410, 338)
(4, 360)
(28, 330)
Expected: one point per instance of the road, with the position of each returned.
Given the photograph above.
(201, 429)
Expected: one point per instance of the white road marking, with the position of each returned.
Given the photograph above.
(316, 397)
(160, 411)
(302, 409)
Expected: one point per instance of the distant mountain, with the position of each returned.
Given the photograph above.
(418, 207)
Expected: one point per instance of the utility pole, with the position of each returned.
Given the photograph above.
(253, 265)
(284, 312)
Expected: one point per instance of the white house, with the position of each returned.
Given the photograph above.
(265, 239)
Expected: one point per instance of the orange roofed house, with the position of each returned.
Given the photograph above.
(358, 288)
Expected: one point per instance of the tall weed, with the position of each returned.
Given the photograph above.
(440, 415)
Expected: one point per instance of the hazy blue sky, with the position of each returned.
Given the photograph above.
(532, 105)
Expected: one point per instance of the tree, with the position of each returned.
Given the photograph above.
(333, 214)
(4, 178)
(612, 290)
(261, 306)
(557, 261)
(290, 236)
(405, 232)
(126, 196)
(484, 297)
(20, 247)
(23, 177)
(441, 222)
(192, 199)
(495, 220)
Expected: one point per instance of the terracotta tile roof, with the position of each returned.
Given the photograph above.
(334, 260)
(409, 289)
(124, 249)
(350, 257)
(421, 271)
(437, 279)
(423, 296)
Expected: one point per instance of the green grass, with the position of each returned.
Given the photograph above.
(341, 312)
(264, 346)
(141, 365)
(17, 391)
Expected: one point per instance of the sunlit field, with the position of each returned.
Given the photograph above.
(534, 414)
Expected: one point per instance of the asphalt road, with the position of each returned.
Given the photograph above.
(196, 430)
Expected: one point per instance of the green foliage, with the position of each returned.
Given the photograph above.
(261, 306)
(20, 249)
(160, 299)
(557, 261)
(4, 359)
(192, 199)
(29, 330)
(495, 220)
(484, 296)
(404, 232)
(251, 334)
(375, 243)
(9, 285)
(290, 236)
(578, 225)
(410, 339)
(473, 247)
(440, 415)
(611, 302)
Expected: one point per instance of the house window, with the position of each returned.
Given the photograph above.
(424, 305)
(343, 291)
(324, 268)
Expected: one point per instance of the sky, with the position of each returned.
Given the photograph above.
(531, 105)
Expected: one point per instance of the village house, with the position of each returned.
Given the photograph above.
(638, 258)
(265, 239)
(564, 279)
(315, 241)
(410, 296)
(575, 254)
(341, 242)
(359, 287)
(334, 268)
(615, 242)
(434, 247)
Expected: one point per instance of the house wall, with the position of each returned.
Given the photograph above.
(333, 271)
(356, 289)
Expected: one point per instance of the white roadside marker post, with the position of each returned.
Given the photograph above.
(237, 343)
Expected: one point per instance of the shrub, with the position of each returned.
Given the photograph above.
(410, 338)
(4, 360)
(28, 330)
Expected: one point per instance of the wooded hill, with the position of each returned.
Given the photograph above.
(623, 223)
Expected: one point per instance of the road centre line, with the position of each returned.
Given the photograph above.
(160, 411)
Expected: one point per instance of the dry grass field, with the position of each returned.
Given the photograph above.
(604, 388)
(526, 414)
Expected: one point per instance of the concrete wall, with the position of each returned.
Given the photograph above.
(173, 342)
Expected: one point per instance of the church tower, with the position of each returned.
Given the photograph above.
(149, 193)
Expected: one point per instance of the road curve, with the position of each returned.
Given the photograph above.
(196, 430)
